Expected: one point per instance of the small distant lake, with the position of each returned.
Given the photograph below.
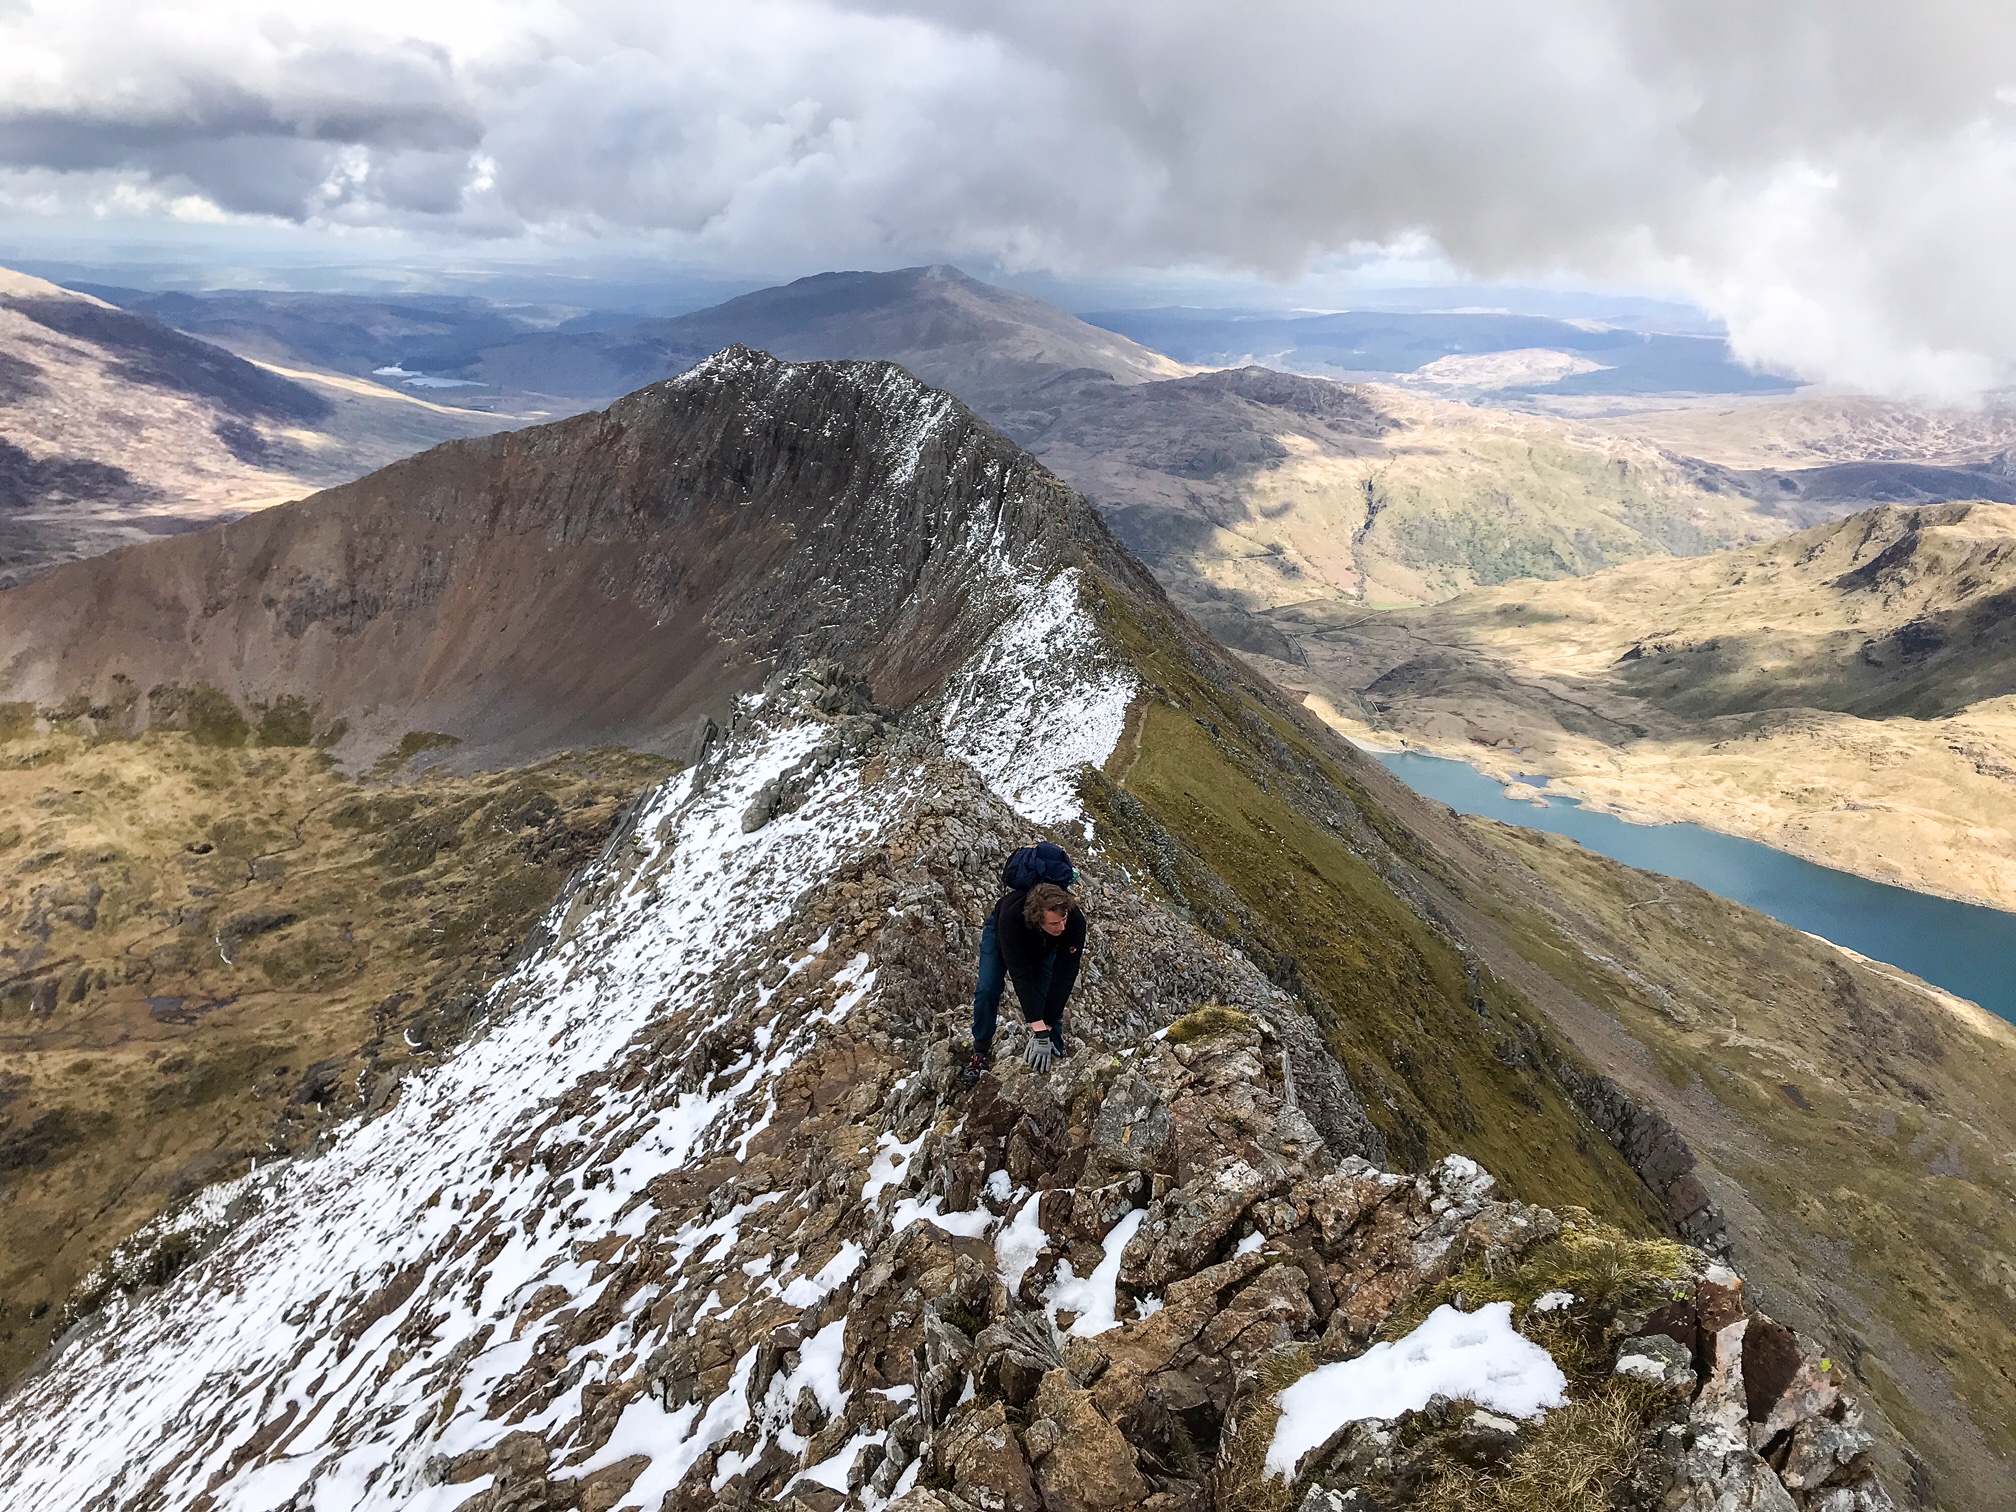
(1963, 947)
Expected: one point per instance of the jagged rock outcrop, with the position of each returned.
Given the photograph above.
(1657, 1151)
(705, 1219)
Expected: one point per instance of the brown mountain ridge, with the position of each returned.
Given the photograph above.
(844, 538)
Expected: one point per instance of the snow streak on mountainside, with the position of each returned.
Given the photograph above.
(1049, 646)
(401, 1199)
(353, 1329)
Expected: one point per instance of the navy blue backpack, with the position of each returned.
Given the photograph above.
(1041, 862)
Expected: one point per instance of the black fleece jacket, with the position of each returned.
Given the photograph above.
(1025, 947)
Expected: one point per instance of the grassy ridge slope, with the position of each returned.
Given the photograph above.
(1854, 1125)
(1232, 809)
(1848, 1123)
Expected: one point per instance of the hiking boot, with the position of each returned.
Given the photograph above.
(976, 1068)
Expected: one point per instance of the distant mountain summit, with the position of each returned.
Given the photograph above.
(1245, 490)
(988, 345)
(611, 578)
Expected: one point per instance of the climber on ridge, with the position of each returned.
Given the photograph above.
(1035, 936)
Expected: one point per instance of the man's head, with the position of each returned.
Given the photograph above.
(1047, 907)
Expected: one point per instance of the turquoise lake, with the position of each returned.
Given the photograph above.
(1963, 947)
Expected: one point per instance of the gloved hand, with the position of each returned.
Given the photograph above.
(1040, 1053)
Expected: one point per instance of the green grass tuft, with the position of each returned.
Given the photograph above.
(1203, 1023)
(213, 719)
(1240, 1482)
(1606, 1271)
(1571, 1463)
(287, 721)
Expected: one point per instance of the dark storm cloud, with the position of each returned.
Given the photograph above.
(1836, 179)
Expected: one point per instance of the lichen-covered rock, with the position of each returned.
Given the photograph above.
(1825, 1453)
(1720, 1473)
(1082, 1462)
(1659, 1360)
(1134, 1127)
(983, 1456)
(1184, 1231)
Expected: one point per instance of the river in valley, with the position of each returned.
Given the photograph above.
(1965, 948)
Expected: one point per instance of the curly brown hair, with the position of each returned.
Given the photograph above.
(1044, 898)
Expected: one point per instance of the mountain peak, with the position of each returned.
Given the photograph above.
(613, 577)
(15, 285)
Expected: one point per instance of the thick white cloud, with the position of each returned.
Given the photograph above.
(1837, 178)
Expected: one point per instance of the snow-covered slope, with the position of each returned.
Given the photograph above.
(359, 1323)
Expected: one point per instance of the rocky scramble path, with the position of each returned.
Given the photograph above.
(704, 1220)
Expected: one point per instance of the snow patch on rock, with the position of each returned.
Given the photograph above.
(1041, 700)
(314, 1299)
(1477, 1357)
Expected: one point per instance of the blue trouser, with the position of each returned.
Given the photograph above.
(987, 990)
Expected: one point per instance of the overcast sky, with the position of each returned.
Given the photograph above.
(1834, 178)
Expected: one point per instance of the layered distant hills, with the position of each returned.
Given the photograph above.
(1847, 693)
(115, 427)
(1249, 489)
(1458, 353)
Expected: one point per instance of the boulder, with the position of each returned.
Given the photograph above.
(1133, 1129)
(1095, 1210)
(1825, 1454)
(986, 1462)
(1484, 1438)
(1182, 1232)
(919, 1265)
(1340, 1200)
(1722, 1474)
(1082, 1462)
(1502, 1233)
(1271, 1310)
(1658, 1359)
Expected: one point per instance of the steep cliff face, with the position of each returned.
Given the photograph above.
(612, 578)
(701, 1216)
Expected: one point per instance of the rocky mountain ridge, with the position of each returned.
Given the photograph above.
(701, 1219)
(428, 595)
(745, 1014)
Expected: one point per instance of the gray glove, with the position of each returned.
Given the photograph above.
(1040, 1053)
